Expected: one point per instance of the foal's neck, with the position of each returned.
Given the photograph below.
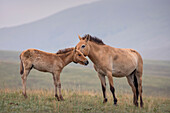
(67, 57)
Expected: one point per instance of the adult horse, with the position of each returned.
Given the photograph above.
(49, 62)
(114, 62)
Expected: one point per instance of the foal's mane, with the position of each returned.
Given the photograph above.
(93, 39)
(66, 50)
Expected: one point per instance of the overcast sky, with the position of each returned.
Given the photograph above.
(17, 12)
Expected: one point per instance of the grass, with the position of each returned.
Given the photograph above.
(75, 78)
(76, 102)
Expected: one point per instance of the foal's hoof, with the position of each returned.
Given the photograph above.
(61, 98)
(25, 95)
(105, 100)
(57, 97)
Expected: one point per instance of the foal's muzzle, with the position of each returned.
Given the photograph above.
(75, 62)
(87, 62)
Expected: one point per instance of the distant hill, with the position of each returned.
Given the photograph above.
(141, 25)
(151, 67)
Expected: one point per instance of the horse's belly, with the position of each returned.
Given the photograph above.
(118, 73)
(122, 72)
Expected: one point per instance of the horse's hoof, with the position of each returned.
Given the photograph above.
(136, 104)
(115, 102)
(105, 100)
(141, 105)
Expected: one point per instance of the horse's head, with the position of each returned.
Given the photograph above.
(83, 45)
(78, 57)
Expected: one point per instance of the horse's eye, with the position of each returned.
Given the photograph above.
(83, 46)
(79, 54)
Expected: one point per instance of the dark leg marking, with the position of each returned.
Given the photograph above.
(112, 89)
(104, 90)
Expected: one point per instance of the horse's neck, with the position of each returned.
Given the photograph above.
(67, 57)
(94, 52)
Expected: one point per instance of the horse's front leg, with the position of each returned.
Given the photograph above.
(103, 83)
(57, 76)
(112, 89)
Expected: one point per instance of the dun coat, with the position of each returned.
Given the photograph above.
(49, 62)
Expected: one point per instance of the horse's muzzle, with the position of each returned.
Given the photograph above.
(87, 62)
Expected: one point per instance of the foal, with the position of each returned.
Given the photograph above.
(49, 62)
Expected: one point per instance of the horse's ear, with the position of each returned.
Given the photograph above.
(79, 37)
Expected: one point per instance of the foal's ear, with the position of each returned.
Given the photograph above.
(79, 37)
(75, 49)
(87, 38)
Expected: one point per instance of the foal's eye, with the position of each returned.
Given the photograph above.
(83, 46)
(79, 54)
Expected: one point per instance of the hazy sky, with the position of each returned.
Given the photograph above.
(16, 12)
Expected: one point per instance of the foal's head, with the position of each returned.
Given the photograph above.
(78, 57)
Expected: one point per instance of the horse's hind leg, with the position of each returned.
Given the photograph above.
(130, 80)
(139, 79)
(58, 84)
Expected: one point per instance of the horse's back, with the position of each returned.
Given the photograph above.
(125, 61)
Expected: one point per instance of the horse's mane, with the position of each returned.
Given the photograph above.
(62, 51)
(93, 39)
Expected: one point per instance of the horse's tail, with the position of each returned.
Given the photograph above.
(136, 84)
(21, 67)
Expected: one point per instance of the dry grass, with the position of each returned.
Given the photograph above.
(76, 101)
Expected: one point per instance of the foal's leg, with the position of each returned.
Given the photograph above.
(112, 89)
(103, 83)
(55, 89)
(139, 79)
(130, 80)
(59, 86)
(57, 76)
(24, 79)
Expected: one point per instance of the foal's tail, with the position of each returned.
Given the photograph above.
(21, 67)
